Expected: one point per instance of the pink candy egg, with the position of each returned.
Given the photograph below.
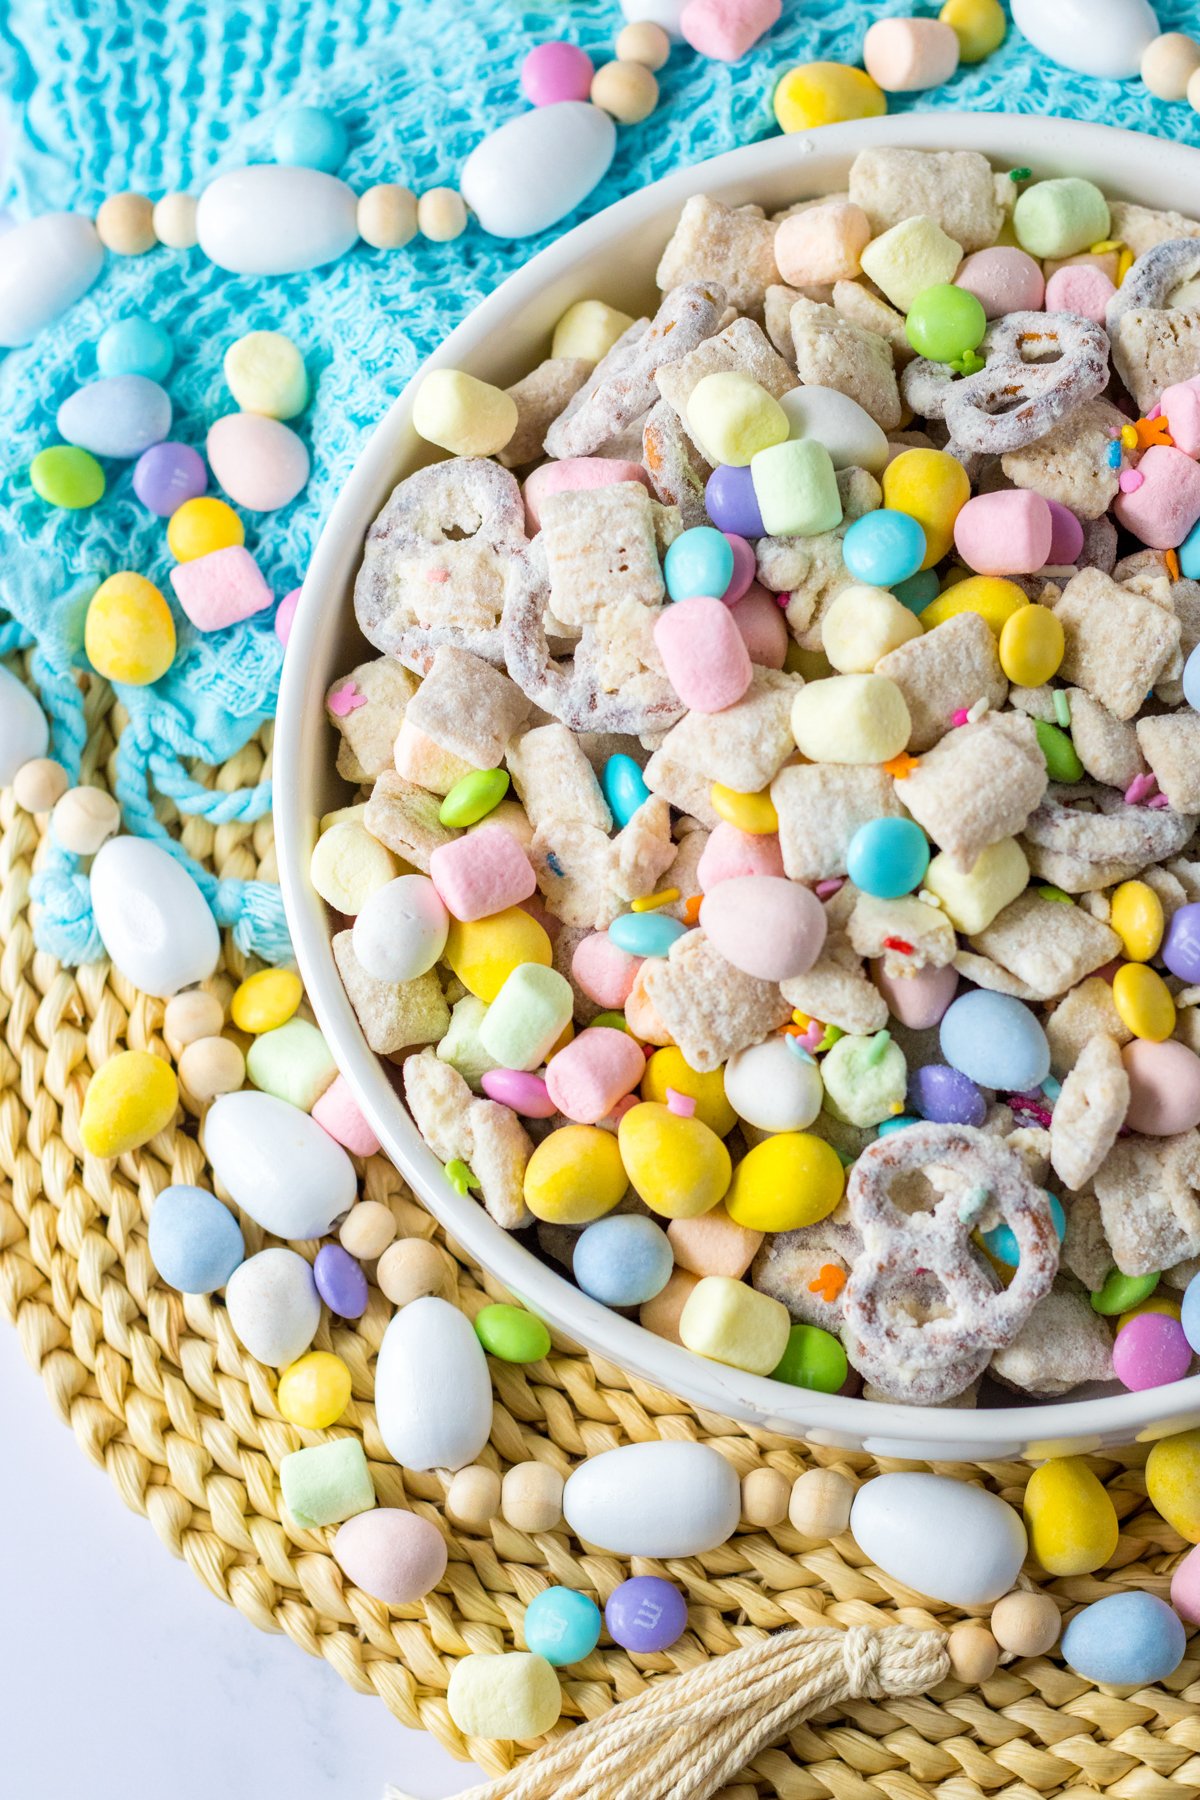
(605, 973)
(1162, 509)
(764, 925)
(391, 1553)
(1008, 533)
(704, 654)
(285, 612)
(260, 463)
(920, 999)
(1164, 1082)
(763, 627)
(593, 1073)
(1185, 1587)
(556, 71)
(1150, 1352)
(526, 1094)
(1080, 288)
(1003, 280)
(744, 567)
(1066, 535)
(730, 853)
(571, 475)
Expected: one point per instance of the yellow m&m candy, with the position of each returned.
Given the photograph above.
(266, 1000)
(678, 1166)
(484, 952)
(788, 1180)
(752, 813)
(1143, 1000)
(1032, 643)
(314, 1391)
(574, 1176)
(1137, 918)
(129, 634)
(667, 1069)
(203, 525)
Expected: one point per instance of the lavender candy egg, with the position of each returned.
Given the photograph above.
(646, 1613)
(168, 474)
(119, 415)
(731, 502)
(945, 1096)
(340, 1282)
(1181, 945)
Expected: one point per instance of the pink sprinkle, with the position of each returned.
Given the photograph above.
(783, 601)
(809, 1040)
(825, 890)
(1139, 788)
(680, 1104)
(961, 717)
(1025, 1108)
(1158, 802)
(346, 699)
(437, 574)
(1130, 480)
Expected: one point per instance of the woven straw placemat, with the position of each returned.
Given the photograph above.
(160, 1394)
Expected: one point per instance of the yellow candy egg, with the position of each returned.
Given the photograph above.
(752, 813)
(788, 1180)
(979, 25)
(1167, 1309)
(1143, 1000)
(668, 1069)
(129, 1100)
(266, 1000)
(314, 1391)
(1137, 918)
(129, 634)
(678, 1165)
(932, 488)
(991, 596)
(484, 952)
(1173, 1482)
(825, 93)
(574, 1176)
(1071, 1521)
(201, 526)
(1032, 644)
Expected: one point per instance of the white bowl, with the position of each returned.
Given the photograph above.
(614, 256)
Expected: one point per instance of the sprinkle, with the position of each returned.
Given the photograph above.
(691, 908)
(1112, 455)
(346, 699)
(783, 601)
(1062, 707)
(461, 1177)
(1129, 437)
(1152, 431)
(1124, 266)
(829, 1283)
(1019, 174)
(1050, 892)
(802, 1020)
(976, 712)
(961, 717)
(899, 945)
(825, 890)
(437, 575)
(554, 866)
(927, 898)
(1051, 1088)
(1155, 411)
(1023, 1106)
(682, 1105)
(969, 363)
(794, 1044)
(648, 902)
(1105, 247)
(1172, 561)
(813, 1039)
(830, 1038)
(901, 767)
(1139, 789)
(1130, 480)
(972, 1204)
(1159, 802)
(878, 1047)
(896, 1108)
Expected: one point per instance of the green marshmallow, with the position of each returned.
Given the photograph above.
(865, 1079)
(796, 487)
(1061, 217)
(293, 1062)
(460, 1047)
(327, 1483)
(527, 1017)
(67, 477)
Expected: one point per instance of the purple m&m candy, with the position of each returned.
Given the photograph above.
(945, 1096)
(646, 1613)
(340, 1282)
(168, 474)
(730, 502)
(1151, 1351)
(1181, 946)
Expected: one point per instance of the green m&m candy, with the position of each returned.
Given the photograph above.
(1062, 758)
(474, 797)
(512, 1334)
(65, 476)
(813, 1359)
(945, 322)
(1121, 1292)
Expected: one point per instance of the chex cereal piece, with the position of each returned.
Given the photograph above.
(681, 786)
(1153, 349)
(425, 763)
(955, 187)
(600, 548)
(832, 351)
(540, 397)
(1107, 746)
(1148, 1201)
(405, 819)
(859, 493)
(791, 1264)
(1140, 228)
(1117, 642)
(837, 991)
(1089, 1112)
(988, 974)
(821, 806)
(366, 707)
(682, 872)
(949, 668)
(1063, 1344)
(393, 1014)
(905, 933)
(743, 347)
(488, 1137)
(1171, 746)
(567, 940)
(678, 472)
(711, 1009)
(1084, 836)
(1146, 573)
(712, 242)
(588, 877)
(979, 784)
(1085, 1249)
(1070, 463)
(1045, 944)
(643, 850)
(743, 746)
(857, 303)
(621, 387)
(777, 317)
(811, 572)
(554, 779)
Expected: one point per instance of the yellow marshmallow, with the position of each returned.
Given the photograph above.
(266, 374)
(731, 1323)
(862, 625)
(347, 866)
(589, 329)
(932, 488)
(971, 898)
(914, 255)
(851, 719)
(732, 418)
(462, 414)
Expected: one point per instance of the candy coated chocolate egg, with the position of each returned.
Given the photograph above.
(49, 262)
(1070, 1518)
(537, 167)
(774, 1086)
(153, 920)
(764, 924)
(391, 1553)
(119, 415)
(1164, 1081)
(1126, 1639)
(946, 1096)
(195, 1241)
(271, 219)
(944, 1538)
(660, 1499)
(623, 1260)
(920, 999)
(260, 462)
(1096, 37)
(433, 1393)
(998, 1042)
(273, 1306)
(278, 1165)
(24, 733)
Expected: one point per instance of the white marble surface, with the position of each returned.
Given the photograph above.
(121, 1674)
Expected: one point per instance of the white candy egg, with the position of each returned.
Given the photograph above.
(401, 930)
(433, 1392)
(274, 219)
(655, 1499)
(770, 1086)
(153, 920)
(48, 263)
(1096, 37)
(943, 1538)
(278, 1164)
(666, 13)
(537, 167)
(846, 429)
(273, 1306)
(24, 733)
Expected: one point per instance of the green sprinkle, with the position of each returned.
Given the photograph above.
(1056, 893)
(972, 1204)
(1019, 174)
(832, 1034)
(878, 1045)
(460, 1177)
(1062, 707)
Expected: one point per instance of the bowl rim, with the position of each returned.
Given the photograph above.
(886, 1428)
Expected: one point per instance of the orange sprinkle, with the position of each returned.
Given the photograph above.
(793, 1030)
(1172, 562)
(1152, 431)
(829, 1283)
(691, 908)
(900, 767)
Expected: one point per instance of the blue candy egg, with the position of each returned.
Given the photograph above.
(888, 857)
(562, 1625)
(945, 1096)
(1189, 556)
(1189, 1315)
(995, 1040)
(135, 347)
(700, 561)
(1001, 1241)
(623, 1260)
(645, 934)
(1126, 1639)
(900, 1123)
(195, 1242)
(919, 591)
(1191, 677)
(308, 137)
(883, 548)
(624, 788)
(731, 503)
(119, 415)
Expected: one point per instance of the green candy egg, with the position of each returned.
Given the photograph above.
(474, 797)
(1062, 758)
(813, 1359)
(945, 322)
(512, 1334)
(1121, 1292)
(67, 477)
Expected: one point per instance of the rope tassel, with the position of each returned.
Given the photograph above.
(685, 1738)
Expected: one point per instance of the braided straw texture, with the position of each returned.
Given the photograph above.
(160, 1394)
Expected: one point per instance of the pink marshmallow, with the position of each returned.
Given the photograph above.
(744, 568)
(1164, 508)
(920, 999)
(1080, 288)
(1003, 280)
(1007, 533)
(903, 56)
(605, 973)
(822, 244)
(763, 627)
(1181, 409)
(481, 873)
(594, 1072)
(730, 853)
(1066, 535)
(338, 1113)
(704, 654)
(725, 29)
(572, 474)
(220, 589)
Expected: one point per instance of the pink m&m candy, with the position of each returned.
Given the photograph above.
(744, 566)
(1164, 1082)
(1150, 1352)
(763, 627)
(556, 71)
(1003, 280)
(1066, 535)
(526, 1094)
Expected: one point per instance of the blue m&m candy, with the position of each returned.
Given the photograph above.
(135, 346)
(700, 561)
(1001, 1242)
(883, 548)
(562, 1625)
(919, 591)
(888, 857)
(645, 934)
(624, 788)
(308, 137)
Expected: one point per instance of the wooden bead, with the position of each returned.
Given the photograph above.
(211, 1066)
(643, 43)
(531, 1498)
(441, 215)
(411, 1268)
(627, 90)
(387, 216)
(174, 220)
(85, 818)
(1028, 1624)
(473, 1497)
(765, 1495)
(40, 784)
(1169, 63)
(367, 1230)
(820, 1503)
(189, 1016)
(125, 225)
(973, 1653)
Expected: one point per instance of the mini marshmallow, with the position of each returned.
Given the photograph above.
(482, 874)
(713, 1244)
(726, 29)
(221, 588)
(348, 864)
(1079, 289)
(1181, 410)
(731, 418)
(703, 653)
(589, 329)
(731, 1323)
(730, 853)
(796, 487)
(593, 1073)
(862, 625)
(528, 1016)
(1162, 509)
(338, 1113)
(605, 973)
(914, 255)
(1003, 280)
(903, 56)
(971, 898)
(850, 719)
(573, 474)
(462, 414)
(1007, 533)
(822, 244)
